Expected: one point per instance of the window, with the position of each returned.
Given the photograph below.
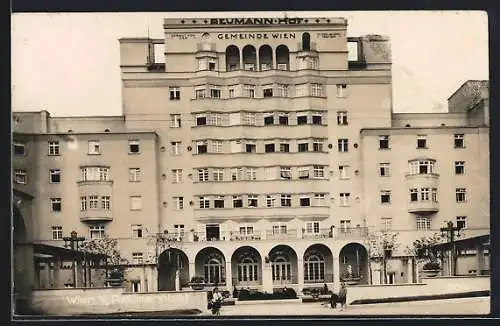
(422, 167)
(204, 202)
(249, 91)
(268, 119)
(20, 177)
(462, 222)
(137, 258)
(318, 171)
(237, 202)
(459, 141)
(56, 204)
(385, 196)
(459, 167)
(137, 231)
(343, 171)
(201, 119)
(421, 141)
(251, 173)
(303, 172)
(211, 65)
(434, 195)
(316, 90)
(285, 172)
(106, 202)
(270, 173)
(175, 148)
(176, 175)
(286, 200)
(268, 92)
(301, 90)
(301, 118)
(83, 203)
(179, 203)
(317, 145)
(134, 175)
(93, 202)
(253, 200)
(383, 142)
(460, 195)
(424, 194)
(246, 230)
(216, 146)
(203, 175)
(386, 223)
(341, 90)
(250, 147)
(219, 202)
(215, 91)
(93, 173)
(218, 174)
(135, 203)
(282, 90)
(179, 230)
(283, 119)
(133, 146)
(236, 174)
(201, 146)
(305, 201)
(96, 231)
(269, 148)
(345, 225)
(199, 93)
(413, 194)
(57, 233)
(319, 199)
(54, 148)
(18, 148)
(175, 93)
(303, 147)
(384, 170)
(423, 223)
(175, 120)
(249, 66)
(343, 145)
(270, 201)
(215, 119)
(342, 118)
(344, 198)
(279, 229)
(236, 146)
(249, 119)
(282, 66)
(317, 118)
(231, 92)
(312, 227)
(94, 148)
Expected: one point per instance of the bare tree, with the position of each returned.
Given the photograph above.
(107, 247)
(424, 250)
(381, 246)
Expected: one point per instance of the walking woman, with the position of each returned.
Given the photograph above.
(343, 296)
(216, 302)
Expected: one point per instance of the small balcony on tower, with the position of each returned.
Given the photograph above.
(423, 184)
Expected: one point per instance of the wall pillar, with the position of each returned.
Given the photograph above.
(257, 60)
(229, 276)
(241, 59)
(192, 271)
(274, 65)
(267, 277)
(409, 270)
(300, 274)
(480, 259)
(142, 278)
(336, 274)
(57, 273)
(154, 272)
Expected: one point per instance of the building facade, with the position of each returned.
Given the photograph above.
(265, 150)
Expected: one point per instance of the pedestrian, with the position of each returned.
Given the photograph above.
(216, 302)
(343, 296)
(334, 298)
(325, 289)
(235, 292)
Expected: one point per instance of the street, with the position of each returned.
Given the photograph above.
(464, 306)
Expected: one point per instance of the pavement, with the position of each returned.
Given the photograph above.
(462, 306)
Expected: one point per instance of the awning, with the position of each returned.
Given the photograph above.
(44, 251)
(483, 240)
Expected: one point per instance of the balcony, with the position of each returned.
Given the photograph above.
(274, 131)
(261, 212)
(428, 180)
(92, 215)
(423, 207)
(97, 187)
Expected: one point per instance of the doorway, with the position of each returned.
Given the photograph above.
(391, 278)
(213, 232)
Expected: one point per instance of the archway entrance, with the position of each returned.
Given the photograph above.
(318, 264)
(23, 262)
(210, 264)
(354, 264)
(246, 266)
(283, 265)
(173, 270)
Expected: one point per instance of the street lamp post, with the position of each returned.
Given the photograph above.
(450, 232)
(73, 242)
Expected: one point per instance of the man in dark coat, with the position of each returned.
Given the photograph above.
(334, 299)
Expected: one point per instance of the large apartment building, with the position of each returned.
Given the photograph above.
(266, 148)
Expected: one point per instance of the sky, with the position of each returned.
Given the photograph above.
(68, 63)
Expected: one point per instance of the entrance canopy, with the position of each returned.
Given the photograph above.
(483, 240)
(44, 251)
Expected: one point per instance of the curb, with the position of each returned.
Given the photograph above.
(472, 294)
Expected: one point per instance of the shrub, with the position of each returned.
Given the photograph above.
(431, 265)
(197, 279)
(245, 295)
